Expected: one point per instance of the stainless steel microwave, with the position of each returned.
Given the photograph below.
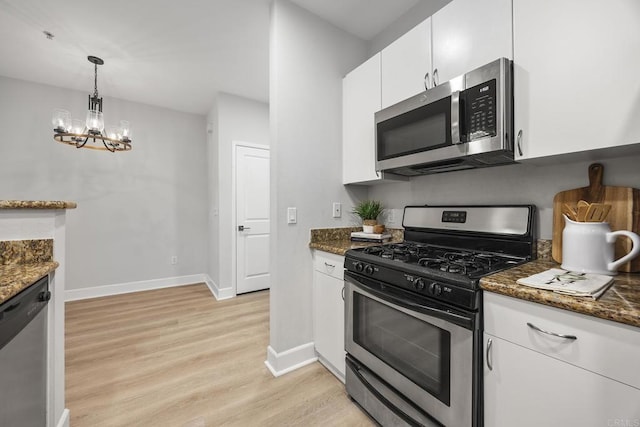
(464, 123)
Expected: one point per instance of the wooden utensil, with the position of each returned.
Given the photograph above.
(582, 211)
(624, 212)
(583, 203)
(569, 212)
(597, 212)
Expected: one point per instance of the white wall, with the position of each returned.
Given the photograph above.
(213, 198)
(234, 119)
(518, 183)
(135, 209)
(308, 60)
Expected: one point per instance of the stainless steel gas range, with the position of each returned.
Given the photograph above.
(414, 312)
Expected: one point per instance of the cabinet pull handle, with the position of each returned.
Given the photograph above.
(488, 356)
(329, 265)
(435, 77)
(518, 142)
(343, 293)
(567, 337)
(426, 81)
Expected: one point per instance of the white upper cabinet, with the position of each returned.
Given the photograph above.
(576, 68)
(467, 34)
(360, 101)
(406, 65)
(460, 37)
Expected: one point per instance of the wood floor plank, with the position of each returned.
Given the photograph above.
(177, 357)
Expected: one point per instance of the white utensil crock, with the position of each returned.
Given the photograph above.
(588, 247)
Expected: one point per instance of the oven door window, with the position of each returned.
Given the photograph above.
(422, 129)
(418, 350)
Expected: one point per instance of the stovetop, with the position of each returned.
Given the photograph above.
(447, 249)
(455, 261)
(450, 275)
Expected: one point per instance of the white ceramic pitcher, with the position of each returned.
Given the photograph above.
(588, 247)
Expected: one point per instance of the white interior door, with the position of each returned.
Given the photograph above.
(252, 219)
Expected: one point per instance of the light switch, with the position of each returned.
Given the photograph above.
(337, 210)
(292, 215)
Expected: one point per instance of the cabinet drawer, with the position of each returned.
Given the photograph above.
(607, 348)
(329, 263)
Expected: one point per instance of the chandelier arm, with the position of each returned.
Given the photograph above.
(112, 149)
(83, 143)
(77, 141)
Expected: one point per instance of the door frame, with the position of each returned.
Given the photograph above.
(234, 198)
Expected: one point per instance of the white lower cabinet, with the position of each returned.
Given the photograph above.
(328, 311)
(529, 382)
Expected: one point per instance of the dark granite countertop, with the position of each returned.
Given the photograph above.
(17, 277)
(22, 263)
(620, 303)
(36, 204)
(337, 240)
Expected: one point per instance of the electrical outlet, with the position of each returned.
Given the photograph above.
(337, 210)
(391, 216)
(174, 260)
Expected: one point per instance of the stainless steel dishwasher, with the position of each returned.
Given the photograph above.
(23, 357)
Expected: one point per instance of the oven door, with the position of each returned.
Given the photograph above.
(423, 350)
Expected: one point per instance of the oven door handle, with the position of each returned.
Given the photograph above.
(436, 311)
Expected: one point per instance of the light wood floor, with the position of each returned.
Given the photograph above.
(178, 357)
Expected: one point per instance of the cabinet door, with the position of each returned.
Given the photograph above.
(360, 101)
(576, 73)
(405, 63)
(328, 319)
(467, 34)
(528, 389)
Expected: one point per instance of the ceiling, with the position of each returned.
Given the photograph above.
(166, 53)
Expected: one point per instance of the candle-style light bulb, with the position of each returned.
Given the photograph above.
(95, 121)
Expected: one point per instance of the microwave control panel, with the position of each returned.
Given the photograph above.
(480, 110)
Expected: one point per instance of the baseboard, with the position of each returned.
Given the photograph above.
(64, 419)
(339, 375)
(144, 285)
(218, 292)
(290, 360)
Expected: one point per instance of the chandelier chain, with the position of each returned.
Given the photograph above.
(95, 81)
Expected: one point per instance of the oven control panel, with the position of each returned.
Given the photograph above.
(431, 288)
(428, 287)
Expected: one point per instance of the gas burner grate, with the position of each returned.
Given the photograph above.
(436, 258)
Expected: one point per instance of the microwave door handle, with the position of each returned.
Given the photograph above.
(455, 117)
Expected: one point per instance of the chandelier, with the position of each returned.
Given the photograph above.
(91, 133)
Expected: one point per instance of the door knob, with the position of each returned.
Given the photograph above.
(242, 228)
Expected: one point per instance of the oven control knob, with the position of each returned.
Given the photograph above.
(435, 289)
(359, 267)
(419, 285)
(368, 269)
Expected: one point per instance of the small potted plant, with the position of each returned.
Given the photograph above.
(369, 210)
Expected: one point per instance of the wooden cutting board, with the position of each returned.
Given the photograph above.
(624, 215)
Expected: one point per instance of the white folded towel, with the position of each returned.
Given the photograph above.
(569, 283)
